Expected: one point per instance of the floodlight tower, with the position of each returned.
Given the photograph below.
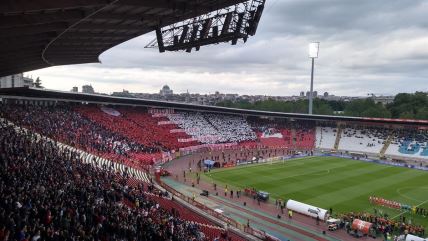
(313, 53)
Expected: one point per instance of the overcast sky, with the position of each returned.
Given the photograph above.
(367, 46)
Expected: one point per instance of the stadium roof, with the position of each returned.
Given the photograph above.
(52, 95)
(41, 33)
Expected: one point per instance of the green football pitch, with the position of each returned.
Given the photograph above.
(330, 182)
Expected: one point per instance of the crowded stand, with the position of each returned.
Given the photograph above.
(325, 137)
(272, 133)
(410, 143)
(240, 131)
(213, 128)
(195, 126)
(80, 202)
(135, 124)
(304, 138)
(156, 133)
(65, 125)
(275, 138)
(363, 139)
(294, 135)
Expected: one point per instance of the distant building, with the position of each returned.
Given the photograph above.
(383, 99)
(88, 89)
(15, 81)
(315, 94)
(302, 93)
(166, 91)
(75, 89)
(124, 93)
(325, 94)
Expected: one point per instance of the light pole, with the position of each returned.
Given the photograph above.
(313, 53)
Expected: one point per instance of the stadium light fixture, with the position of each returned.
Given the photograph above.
(314, 49)
(313, 53)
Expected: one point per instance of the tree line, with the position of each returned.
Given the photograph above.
(407, 106)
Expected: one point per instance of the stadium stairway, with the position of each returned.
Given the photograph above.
(338, 136)
(387, 143)
(293, 137)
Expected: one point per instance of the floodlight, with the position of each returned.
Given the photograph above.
(313, 53)
(314, 49)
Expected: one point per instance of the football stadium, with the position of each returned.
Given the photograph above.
(85, 166)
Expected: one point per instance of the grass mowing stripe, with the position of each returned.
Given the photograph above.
(342, 184)
(332, 178)
(345, 183)
(271, 175)
(373, 186)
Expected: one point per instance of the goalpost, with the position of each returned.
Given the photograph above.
(273, 160)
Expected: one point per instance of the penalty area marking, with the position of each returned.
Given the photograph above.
(410, 198)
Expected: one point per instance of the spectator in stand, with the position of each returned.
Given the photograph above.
(63, 124)
(48, 193)
(214, 128)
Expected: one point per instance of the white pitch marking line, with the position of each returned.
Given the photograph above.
(426, 201)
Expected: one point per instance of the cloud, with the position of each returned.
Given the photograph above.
(367, 46)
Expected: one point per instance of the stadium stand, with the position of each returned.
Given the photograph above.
(305, 138)
(140, 127)
(155, 133)
(63, 124)
(325, 137)
(241, 130)
(79, 201)
(135, 137)
(279, 133)
(196, 126)
(409, 143)
(213, 128)
(363, 139)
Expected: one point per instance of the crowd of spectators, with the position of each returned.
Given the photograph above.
(279, 132)
(48, 193)
(213, 128)
(137, 125)
(240, 131)
(64, 124)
